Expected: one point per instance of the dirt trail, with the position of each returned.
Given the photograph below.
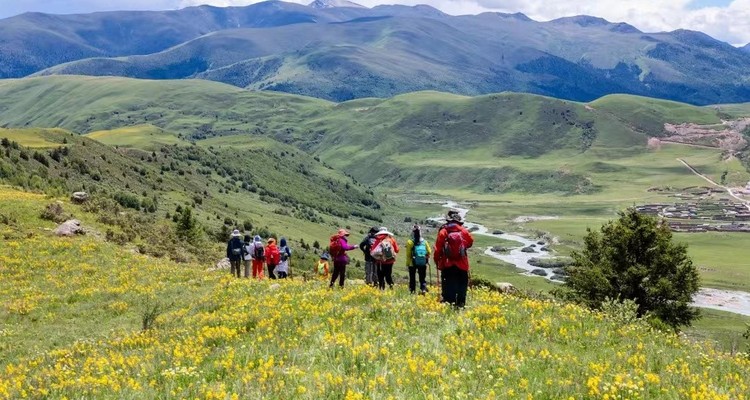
(711, 181)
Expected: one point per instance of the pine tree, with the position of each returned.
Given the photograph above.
(635, 258)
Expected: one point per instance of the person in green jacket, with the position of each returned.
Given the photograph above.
(417, 259)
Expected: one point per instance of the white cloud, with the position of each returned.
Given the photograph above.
(730, 23)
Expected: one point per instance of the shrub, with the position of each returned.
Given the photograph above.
(634, 258)
(127, 200)
(54, 212)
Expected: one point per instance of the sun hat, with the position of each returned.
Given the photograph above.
(383, 231)
(343, 232)
(271, 240)
(236, 233)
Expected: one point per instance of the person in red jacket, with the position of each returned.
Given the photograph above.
(451, 258)
(273, 257)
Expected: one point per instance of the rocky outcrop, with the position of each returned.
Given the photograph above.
(70, 228)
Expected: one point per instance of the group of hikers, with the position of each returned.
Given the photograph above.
(252, 254)
(380, 251)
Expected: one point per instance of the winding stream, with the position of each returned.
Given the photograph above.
(734, 301)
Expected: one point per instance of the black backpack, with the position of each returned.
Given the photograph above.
(259, 253)
(236, 251)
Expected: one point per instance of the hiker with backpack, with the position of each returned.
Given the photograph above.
(235, 252)
(248, 257)
(417, 260)
(259, 257)
(384, 251)
(321, 267)
(451, 258)
(273, 257)
(282, 269)
(371, 274)
(338, 247)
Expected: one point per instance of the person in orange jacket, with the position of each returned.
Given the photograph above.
(384, 251)
(451, 258)
(273, 257)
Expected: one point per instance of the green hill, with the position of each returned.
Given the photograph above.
(269, 188)
(84, 318)
(374, 140)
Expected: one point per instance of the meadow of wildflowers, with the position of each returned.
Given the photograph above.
(71, 328)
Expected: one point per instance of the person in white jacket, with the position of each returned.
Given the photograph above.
(282, 270)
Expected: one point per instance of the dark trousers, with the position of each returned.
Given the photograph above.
(455, 283)
(385, 274)
(235, 265)
(282, 275)
(339, 271)
(413, 271)
(271, 267)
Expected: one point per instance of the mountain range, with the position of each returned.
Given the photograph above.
(339, 53)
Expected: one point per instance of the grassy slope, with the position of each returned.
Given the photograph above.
(147, 137)
(72, 328)
(288, 193)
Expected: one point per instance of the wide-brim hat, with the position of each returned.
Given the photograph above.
(236, 233)
(343, 232)
(383, 231)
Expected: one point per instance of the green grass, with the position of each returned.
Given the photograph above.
(146, 137)
(32, 138)
(74, 328)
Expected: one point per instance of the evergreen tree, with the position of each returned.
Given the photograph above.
(635, 258)
(187, 227)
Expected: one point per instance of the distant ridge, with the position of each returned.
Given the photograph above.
(339, 50)
(323, 4)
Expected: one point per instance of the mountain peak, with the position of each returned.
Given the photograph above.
(321, 4)
(582, 20)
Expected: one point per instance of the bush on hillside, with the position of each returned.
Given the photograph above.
(634, 258)
(54, 212)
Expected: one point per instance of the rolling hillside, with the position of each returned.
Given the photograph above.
(493, 144)
(356, 52)
(97, 321)
(140, 186)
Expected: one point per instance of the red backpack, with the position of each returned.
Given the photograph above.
(335, 247)
(274, 257)
(454, 248)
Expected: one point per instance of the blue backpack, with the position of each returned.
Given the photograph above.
(420, 254)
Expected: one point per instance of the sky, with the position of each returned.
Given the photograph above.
(727, 20)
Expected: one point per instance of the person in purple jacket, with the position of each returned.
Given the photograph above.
(338, 248)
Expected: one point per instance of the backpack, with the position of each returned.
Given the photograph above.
(285, 253)
(335, 247)
(236, 251)
(383, 251)
(454, 248)
(419, 254)
(259, 253)
(274, 256)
